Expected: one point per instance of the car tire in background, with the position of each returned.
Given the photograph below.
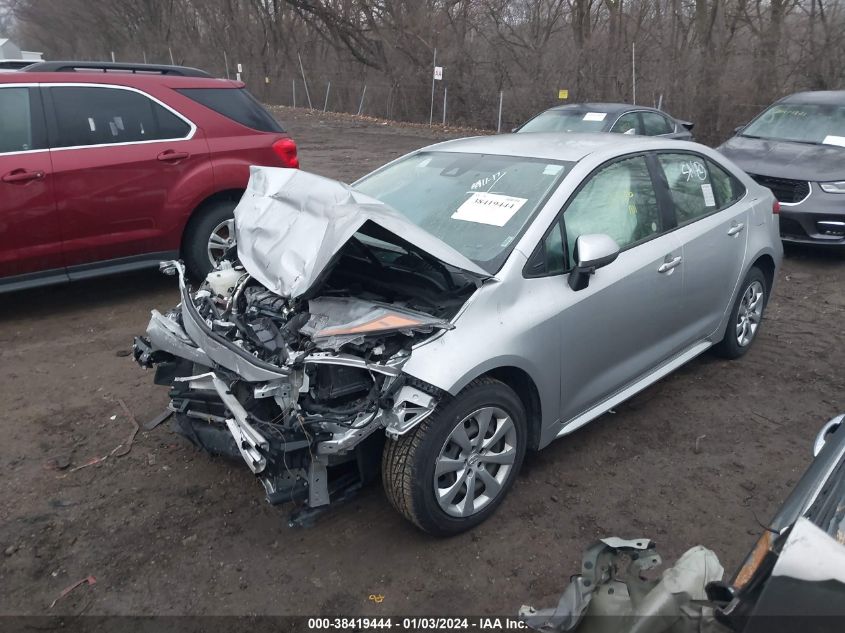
(214, 222)
(478, 438)
(746, 316)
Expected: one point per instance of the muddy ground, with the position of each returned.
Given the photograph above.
(168, 530)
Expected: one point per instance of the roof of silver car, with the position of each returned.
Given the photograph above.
(551, 146)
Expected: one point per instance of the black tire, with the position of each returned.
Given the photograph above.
(729, 347)
(408, 463)
(198, 232)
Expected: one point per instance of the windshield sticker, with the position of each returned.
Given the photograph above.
(487, 181)
(834, 140)
(552, 170)
(489, 208)
(595, 116)
(709, 200)
(694, 170)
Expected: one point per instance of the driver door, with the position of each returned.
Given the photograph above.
(627, 321)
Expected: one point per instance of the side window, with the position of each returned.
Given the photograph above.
(727, 188)
(690, 186)
(554, 257)
(21, 126)
(627, 124)
(101, 116)
(655, 124)
(619, 201)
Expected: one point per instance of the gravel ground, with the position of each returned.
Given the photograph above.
(168, 530)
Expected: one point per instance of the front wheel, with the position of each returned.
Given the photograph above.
(746, 316)
(451, 472)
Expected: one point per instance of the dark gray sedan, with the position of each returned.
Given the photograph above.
(796, 148)
(621, 118)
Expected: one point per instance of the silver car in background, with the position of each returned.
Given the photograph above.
(459, 306)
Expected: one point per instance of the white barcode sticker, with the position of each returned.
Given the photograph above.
(707, 191)
(489, 208)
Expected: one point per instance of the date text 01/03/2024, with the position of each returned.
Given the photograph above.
(415, 624)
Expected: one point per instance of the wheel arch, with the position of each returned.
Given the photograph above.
(766, 264)
(521, 382)
(232, 195)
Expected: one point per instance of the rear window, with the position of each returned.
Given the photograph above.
(235, 104)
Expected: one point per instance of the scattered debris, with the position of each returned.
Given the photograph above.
(697, 448)
(90, 580)
(118, 451)
(123, 353)
(10, 550)
(161, 417)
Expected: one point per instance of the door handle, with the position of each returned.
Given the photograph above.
(736, 229)
(669, 264)
(170, 156)
(22, 175)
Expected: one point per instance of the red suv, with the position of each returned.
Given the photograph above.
(108, 167)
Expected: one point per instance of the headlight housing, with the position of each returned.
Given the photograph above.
(833, 187)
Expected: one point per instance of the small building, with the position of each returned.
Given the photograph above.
(10, 50)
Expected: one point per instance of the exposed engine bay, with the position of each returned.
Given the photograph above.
(297, 383)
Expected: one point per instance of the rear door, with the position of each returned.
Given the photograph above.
(30, 238)
(657, 124)
(712, 223)
(123, 163)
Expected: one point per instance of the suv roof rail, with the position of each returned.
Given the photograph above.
(58, 67)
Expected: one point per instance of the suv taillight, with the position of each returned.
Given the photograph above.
(285, 149)
(775, 204)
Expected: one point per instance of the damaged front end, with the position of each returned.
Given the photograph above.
(296, 371)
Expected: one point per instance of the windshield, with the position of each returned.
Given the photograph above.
(477, 203)
(566, 121)
(803, 123)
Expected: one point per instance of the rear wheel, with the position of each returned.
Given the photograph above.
(451, 472)
(746, 316)
(208, 237)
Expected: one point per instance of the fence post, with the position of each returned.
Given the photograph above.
(326, 104)
(499, 124)
(170, 50)
(445, 92)
(144, 53)
(304, 82)
(361, 105)
(433, 66)
(226, 62)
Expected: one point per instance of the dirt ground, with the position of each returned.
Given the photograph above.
(168, 530)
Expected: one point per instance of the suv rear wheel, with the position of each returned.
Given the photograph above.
(452, 471)
(208, 237)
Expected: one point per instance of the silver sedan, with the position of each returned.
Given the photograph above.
(457, 307)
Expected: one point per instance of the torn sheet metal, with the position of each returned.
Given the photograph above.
(811, 554)
(290, 224)
(336, 321)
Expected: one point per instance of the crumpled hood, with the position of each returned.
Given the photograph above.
(290, 224)
(784, 159)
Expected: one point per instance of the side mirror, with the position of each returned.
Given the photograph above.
(515, 129)
(592, 251)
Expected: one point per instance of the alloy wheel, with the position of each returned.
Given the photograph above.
(750, 313)
(222, 238)
(475, 462)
